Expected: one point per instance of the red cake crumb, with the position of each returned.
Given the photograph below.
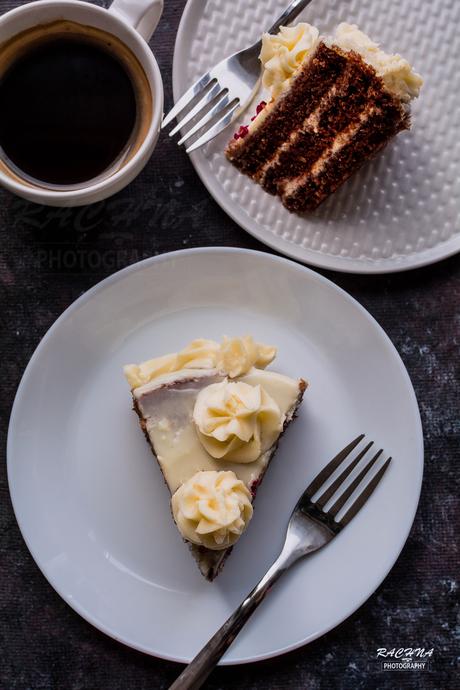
(259, 109)
(244, 129)
(254, 486)
(241, 133)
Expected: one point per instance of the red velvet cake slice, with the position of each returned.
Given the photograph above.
(213, 418)
(335, 103)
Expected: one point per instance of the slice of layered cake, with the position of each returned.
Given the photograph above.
(213, 418)
(335, 102)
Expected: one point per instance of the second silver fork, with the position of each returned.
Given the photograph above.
(220, 95)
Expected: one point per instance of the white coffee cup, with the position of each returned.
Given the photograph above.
(132, 22)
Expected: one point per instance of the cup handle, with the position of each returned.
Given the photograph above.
(142, 15)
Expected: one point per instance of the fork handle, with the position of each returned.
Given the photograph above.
(289, 14)
(194, 675)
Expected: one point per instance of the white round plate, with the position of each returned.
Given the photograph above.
(90, 499)
(400, 211)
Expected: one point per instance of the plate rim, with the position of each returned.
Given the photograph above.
(87, 296)
(307, 256)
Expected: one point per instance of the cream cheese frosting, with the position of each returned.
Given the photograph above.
(212, 509)
(236, 420)
(395, 72)
(168, 414)
(283, 53)
(234, 357)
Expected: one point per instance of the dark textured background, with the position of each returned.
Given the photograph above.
(48, 257)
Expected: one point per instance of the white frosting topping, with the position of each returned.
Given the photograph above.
(284, 52)
(236, 421)
(168, 413)
(396, 73)
(234, 357)
(212, 509)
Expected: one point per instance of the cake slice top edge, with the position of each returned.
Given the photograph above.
(284, 53)
(174, 378)
(199, 424)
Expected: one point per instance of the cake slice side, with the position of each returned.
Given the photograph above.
(313, 81)
(358, 143)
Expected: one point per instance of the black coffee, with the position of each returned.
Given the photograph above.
(67, 110)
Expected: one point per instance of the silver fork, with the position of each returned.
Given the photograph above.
(224, 91)
(310, 528)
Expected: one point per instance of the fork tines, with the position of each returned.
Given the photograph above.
(329, 470)
(213, 107)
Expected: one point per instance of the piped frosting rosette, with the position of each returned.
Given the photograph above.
(236, 421)
(212, 509)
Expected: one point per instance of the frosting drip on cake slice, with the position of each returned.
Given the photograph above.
(339, 106)
(213, 430)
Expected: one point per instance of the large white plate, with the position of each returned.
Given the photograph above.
(400, 211)
(91, 502)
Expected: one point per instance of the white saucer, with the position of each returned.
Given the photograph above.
(90, 499)
(400, 211)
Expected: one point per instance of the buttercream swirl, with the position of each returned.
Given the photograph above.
(236, 421)
(212, 509)
(234, 357)
(283, 53)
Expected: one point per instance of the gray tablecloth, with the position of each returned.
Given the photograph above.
(48, 257)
